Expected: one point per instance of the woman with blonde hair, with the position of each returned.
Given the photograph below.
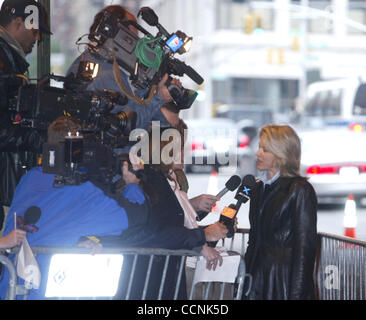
(283, 217)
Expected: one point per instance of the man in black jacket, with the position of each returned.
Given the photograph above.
(19, 31)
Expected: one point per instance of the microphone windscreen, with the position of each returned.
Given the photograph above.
(233, 183)
(190, 72)
(249, 180)
(149, 16)
(32, 216)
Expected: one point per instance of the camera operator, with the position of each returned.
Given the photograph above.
(170, 209)
(106, 80)
(76, 212)
(17, 40)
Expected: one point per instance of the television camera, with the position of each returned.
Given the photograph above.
(146, 59)
(91, 154)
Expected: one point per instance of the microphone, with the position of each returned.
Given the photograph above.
(229, 213)
(193, 74)
(245, 190)
(180, 69)
(149, 16)
(242, 196)
(230, 185)
(31, 217)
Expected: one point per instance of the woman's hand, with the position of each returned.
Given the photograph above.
(212, 257)
(13, 239)
(204, 202)
(215, 232)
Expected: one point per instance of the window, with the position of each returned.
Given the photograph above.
(325, 103)
(321, 25)
(231, 14)
(360, 101)
(69, 21)
(357, 13)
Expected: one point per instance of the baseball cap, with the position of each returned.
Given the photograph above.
(17, 8)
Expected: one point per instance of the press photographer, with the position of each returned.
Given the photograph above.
(137, 68)
(18, 145)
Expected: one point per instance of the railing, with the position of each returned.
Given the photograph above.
(340, 270)
(135, 274)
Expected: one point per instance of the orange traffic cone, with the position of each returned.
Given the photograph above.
(213, 188)
(350, 217)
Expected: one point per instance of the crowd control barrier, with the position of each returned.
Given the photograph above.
(19, 291)
(341, 268)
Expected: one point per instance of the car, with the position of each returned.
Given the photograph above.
(211, 143)
(247, 134)
(340, 102)
(334, 161)
(249, 119)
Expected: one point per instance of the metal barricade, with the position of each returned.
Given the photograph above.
(134, 274)
(238, 243)
(221, 290)
(341, 268)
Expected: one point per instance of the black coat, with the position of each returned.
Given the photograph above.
(166, 212)
(159, 226)
(282, 240)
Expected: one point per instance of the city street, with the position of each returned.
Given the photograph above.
(330, 217)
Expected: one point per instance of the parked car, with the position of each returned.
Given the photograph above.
(339, 102)
(249, 119)
(334, 160)
(247, 147)
(211, 143)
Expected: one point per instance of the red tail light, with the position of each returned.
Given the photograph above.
(197, 146)
(322, 170)
(333, 169)
(356, 127)
(244, 142)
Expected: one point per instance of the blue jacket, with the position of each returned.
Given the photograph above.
(72, 212)
(105, 80)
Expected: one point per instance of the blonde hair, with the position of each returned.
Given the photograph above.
(285, 145)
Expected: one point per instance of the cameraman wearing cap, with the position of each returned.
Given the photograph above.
(19, 31)
(106, 80)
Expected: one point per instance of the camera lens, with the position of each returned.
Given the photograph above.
(120, 124)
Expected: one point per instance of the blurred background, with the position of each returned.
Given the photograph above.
(296, 62)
